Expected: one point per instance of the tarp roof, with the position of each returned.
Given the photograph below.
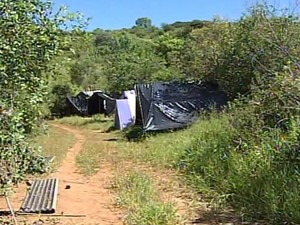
(100, 102)
(174, 105)
(90, 93)
(103, 95)
(77, 104)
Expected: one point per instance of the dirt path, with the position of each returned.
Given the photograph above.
(88, 196)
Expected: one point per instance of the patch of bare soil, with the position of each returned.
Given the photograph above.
(83, 200)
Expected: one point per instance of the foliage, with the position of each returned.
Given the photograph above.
(30, 37)
(254, 160)
(59, 105)
(202, 52)
(248, 155)
(16, 157)
(143, 22)
(131, 61)
(258, 178)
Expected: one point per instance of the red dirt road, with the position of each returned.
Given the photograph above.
(88, 199)
(88, 196)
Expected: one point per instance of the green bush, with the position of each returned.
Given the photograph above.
(58, 105)
(260, 180)
(31, 36)
(251, 153)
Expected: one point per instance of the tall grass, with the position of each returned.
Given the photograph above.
(144, 207)
(252, 160)
(159, 149)
(256, 171)
(260, 180)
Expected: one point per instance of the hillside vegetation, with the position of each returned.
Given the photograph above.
(248, 155)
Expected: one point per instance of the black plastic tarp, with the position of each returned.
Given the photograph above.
(173, 105)
(90, 103)
(78, 104)
(101, 103)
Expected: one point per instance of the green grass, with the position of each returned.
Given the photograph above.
(137, 194)
(163, 149)
(96, 129)
(257, 180)
(55, 142)
(94, 150)
(97, 122)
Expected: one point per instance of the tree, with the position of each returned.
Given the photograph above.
(102, 38)
(143, 22)
(133, 60)
(59, 106)
(31, 35)
(169, 47)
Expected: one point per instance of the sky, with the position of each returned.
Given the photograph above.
(116, 14)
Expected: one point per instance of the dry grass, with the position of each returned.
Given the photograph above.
(55, 142)
(97, 122)
(95, 149)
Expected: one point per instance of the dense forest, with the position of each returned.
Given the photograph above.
(249, 155)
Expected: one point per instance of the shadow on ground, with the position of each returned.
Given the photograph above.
(228, 218)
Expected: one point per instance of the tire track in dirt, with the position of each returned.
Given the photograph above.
(88, 196)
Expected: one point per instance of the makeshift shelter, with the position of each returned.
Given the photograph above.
(100, 102)
(79, 104)
(123, 116)
(162, 106)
